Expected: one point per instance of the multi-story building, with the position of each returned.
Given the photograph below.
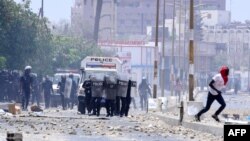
(125, 18)
(234, 40)
(83, 18)
(133, 16)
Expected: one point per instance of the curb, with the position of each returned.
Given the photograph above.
(215, 130)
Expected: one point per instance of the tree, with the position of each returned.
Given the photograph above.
(2, 62)
(24, 37)
(97, 19)
(69, 51)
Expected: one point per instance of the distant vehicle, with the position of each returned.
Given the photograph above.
(99, 67)
(58, 75)
(56, 99)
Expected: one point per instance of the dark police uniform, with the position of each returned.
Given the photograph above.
(111, 92)
(144, 91)
(61, 85)
(86, 101)
(47, 89)
(97, 94)
(26, 82)
(122, 86)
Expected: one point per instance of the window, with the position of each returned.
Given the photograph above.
(85, 2)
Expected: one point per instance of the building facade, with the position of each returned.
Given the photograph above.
(134, 16)
(126, 18)
(83, 18)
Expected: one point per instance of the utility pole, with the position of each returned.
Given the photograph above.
(41, 11)
(163, 52)
(184, 41)
(191, 51)
(172, 58)
(180, 14)
(156, 49)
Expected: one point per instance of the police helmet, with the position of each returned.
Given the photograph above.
(28, 68)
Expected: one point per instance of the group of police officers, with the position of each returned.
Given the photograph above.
(24, 87)
(16, 87)
(9, 82)
(112, 93)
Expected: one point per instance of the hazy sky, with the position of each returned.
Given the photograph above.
(56, 10)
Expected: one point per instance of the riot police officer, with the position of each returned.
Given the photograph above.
(61, 86)
(26, 83)
(110, 91)
(122, 85)
(47, 90)
(97, 94)
(144, 91)
(87, 99)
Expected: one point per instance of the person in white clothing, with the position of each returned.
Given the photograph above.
(217, 84)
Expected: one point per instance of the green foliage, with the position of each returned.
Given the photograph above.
(69, 51)
(23, 35)
(2, 62)
(25, 39)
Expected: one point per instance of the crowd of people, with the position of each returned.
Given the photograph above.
(114, 94)
(25, 87)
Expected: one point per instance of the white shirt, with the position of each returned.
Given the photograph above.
(218, 84)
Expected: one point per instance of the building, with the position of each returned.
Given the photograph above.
(234, 40)
(139, 54)
(128, 19)
(83, 18)
(215, 17)
(134, 16)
